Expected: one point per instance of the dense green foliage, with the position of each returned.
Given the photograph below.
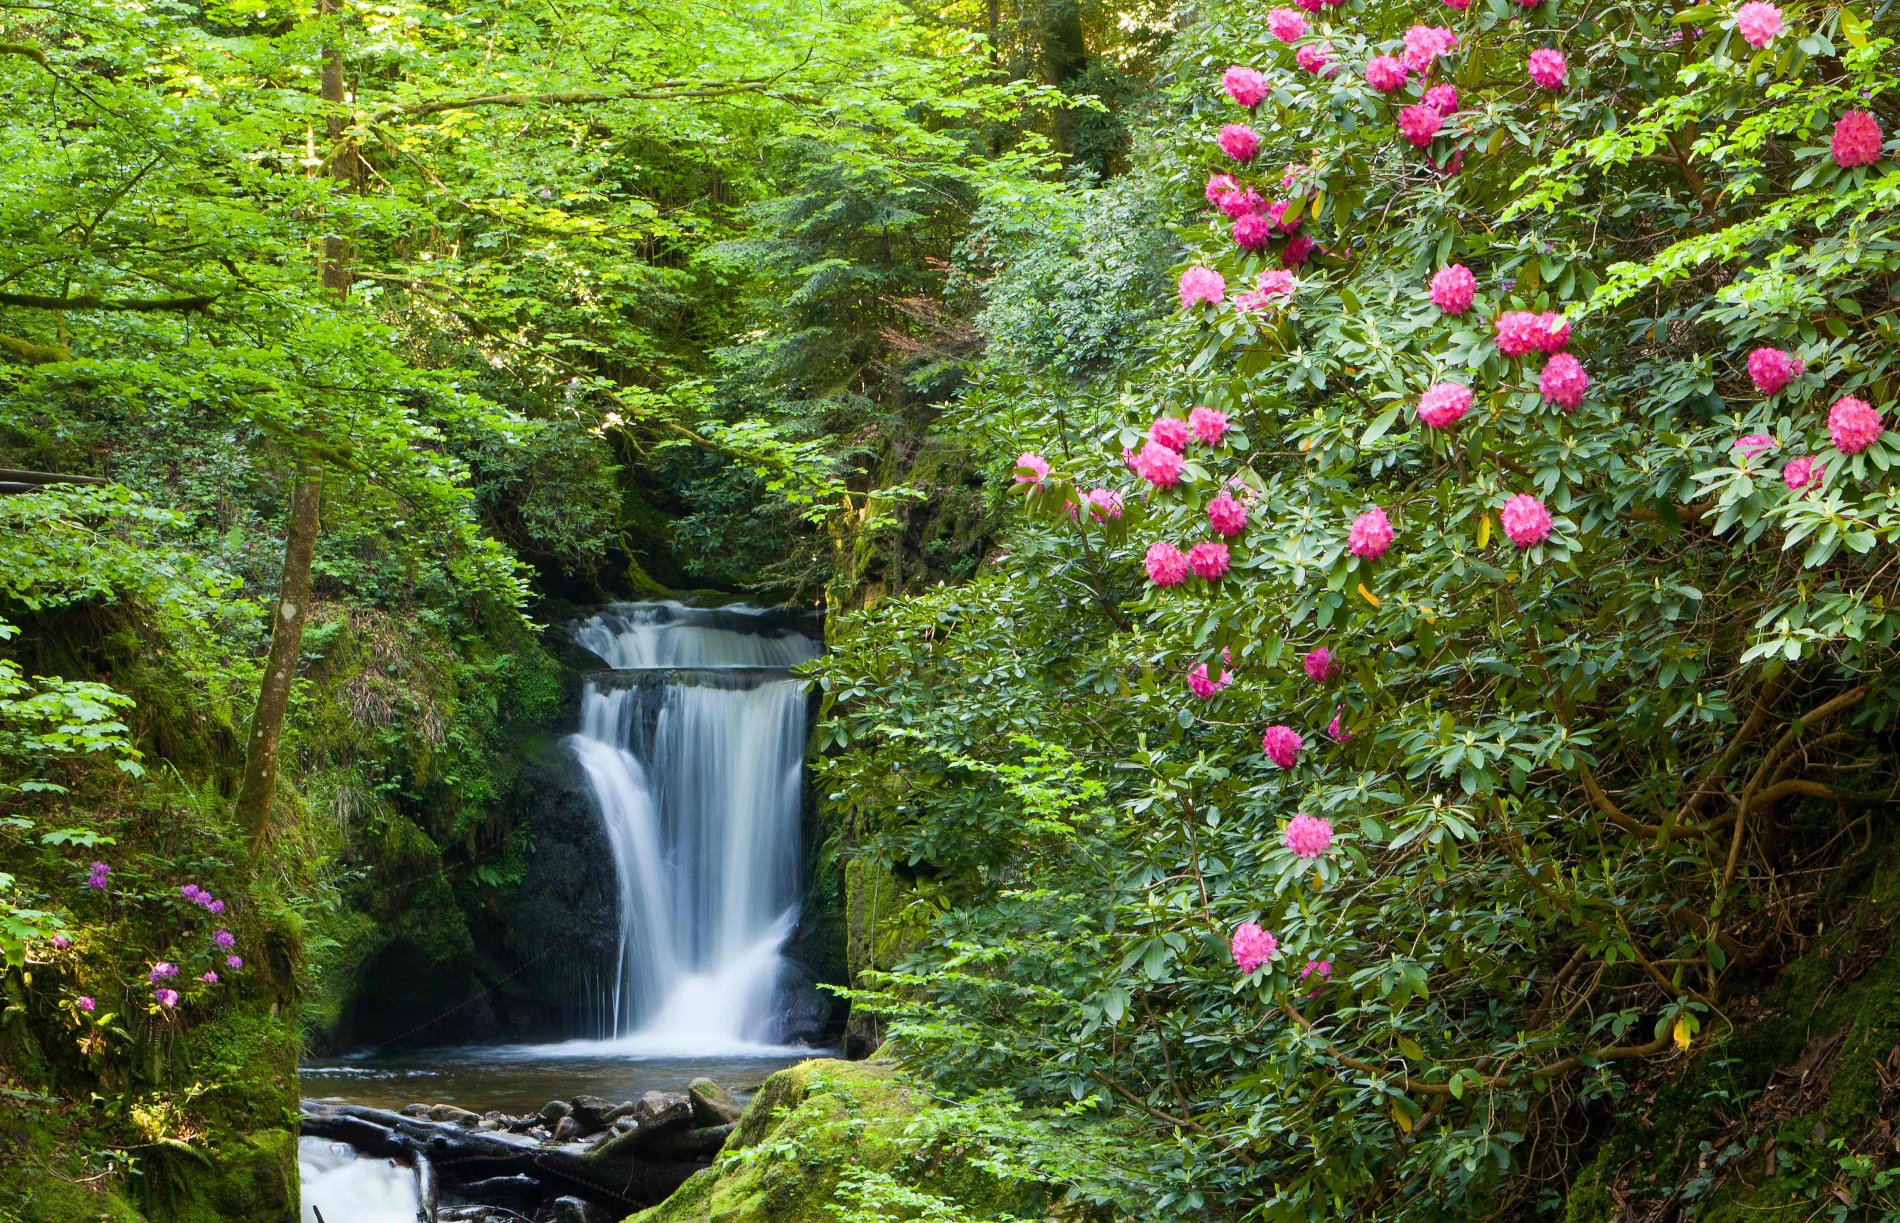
(1598, 790)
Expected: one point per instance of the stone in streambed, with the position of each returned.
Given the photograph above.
(568, 1129)
(661, 1111)
(593, 1112)
(580, 1210)
(713, 1104)
(553, 1111)
(418, 1111)
(451, 1115)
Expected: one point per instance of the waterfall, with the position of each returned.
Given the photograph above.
(693, 751)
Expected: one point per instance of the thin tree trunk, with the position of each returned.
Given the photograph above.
(286, 649)
(300, 536)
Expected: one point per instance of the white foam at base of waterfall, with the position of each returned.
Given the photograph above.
(352, 1188)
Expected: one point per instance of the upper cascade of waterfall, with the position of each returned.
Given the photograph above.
(632, 636)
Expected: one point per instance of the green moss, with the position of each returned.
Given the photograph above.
(814, 1136)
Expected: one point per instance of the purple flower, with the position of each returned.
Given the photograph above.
(161, 971)
(234, 962)
(191, 892)
(97, 880)
(61, 942)
(209, 978)
(167, 997)
(224, 939)
(87, 1003)
(216, 906)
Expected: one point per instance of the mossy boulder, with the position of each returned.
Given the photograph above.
(821, 1133)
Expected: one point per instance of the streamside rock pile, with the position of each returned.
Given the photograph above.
(584, 1160)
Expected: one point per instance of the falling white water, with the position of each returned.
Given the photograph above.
(697, 775)
(341, 1186)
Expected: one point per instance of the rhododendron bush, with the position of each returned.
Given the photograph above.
(1600, 701)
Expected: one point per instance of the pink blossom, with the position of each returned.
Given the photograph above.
(1169, 431)
(1451, 165)
(1276, 212)
(1525, 520)
(161, 971)
(1253, 946)
(1323, 968)
(1159, 465)
(1564, 381)
(1337, 732)
(1425, 43)
(87, 1003)
(1297, 251)
(1418, 124)
(209, 977)
(1517, 332)
(1282, 745)
(1311, 6)
(1167, 565)
(1547, 68)
(1386, 74)
(1244, 86)
(1239, 141)
(1237, 204)
(1219, 185)
(1371, 534)
(216, 907)
(1209, 425)
(1857, 139)
(191, 892)
(1553, 332)
(1035, 465)
(225, 940)
(1251, 231)
(1853, 424)
(1454, 288)
(234, 962)
(1308, 836)
(1292, 174)
(1200, 685)
(1226, 515)
(1443, 403)
(1773, 368)
(1272, 284)
(1753, 445)
(1316, 58)
(1443, 99)
(167, 997)
(1286, 24)
(1199, 284)
(1802, 472)
(1104, 503)
(1209, 560)
(1460, 5)
(1758, 22)
(1320, 665)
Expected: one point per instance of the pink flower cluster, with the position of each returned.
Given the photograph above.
(1564, 381)
(1167, 565)
(1308, 836)
(1239, 141)
(1316, 58)
(1159, 465)
(1425, 43)
(1104, 503)
(1320, 665)
(1371, 535)
(1419, 124)
(1272, 286)
(1286, 24)
(1031, 469)
(1282, 745)
(1253, 946)
(1200, 685)
(1802, 472)
(1443, 99)
(1525, 520)
(1523, 331)
(1454, 288)
(1758, 23)
(1199, 284)
(1208, 560)
(1853, 424)
(1857, 140)
(1443, 404)
(1244, 85)
(1386, 74)
(1547, 68)
(1227, 516)
(1208, 425)
(1773, 368)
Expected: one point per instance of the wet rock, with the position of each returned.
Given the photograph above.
(713, 1104)
(415, 1110)
(455, 1116)
(553, 1111)
(593, 1112)
(568, 1129)
(580, 1210)
(503, 1190)
(661, 1111)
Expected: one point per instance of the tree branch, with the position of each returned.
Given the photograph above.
(25, 49)
(92, 301)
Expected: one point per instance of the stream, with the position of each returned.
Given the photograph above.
(691, 742)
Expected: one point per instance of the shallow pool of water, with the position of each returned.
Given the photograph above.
(521, 1078)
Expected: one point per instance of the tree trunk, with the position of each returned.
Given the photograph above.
(286, 649)
(300, 536)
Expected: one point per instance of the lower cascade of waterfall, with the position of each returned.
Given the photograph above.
(692, 745)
